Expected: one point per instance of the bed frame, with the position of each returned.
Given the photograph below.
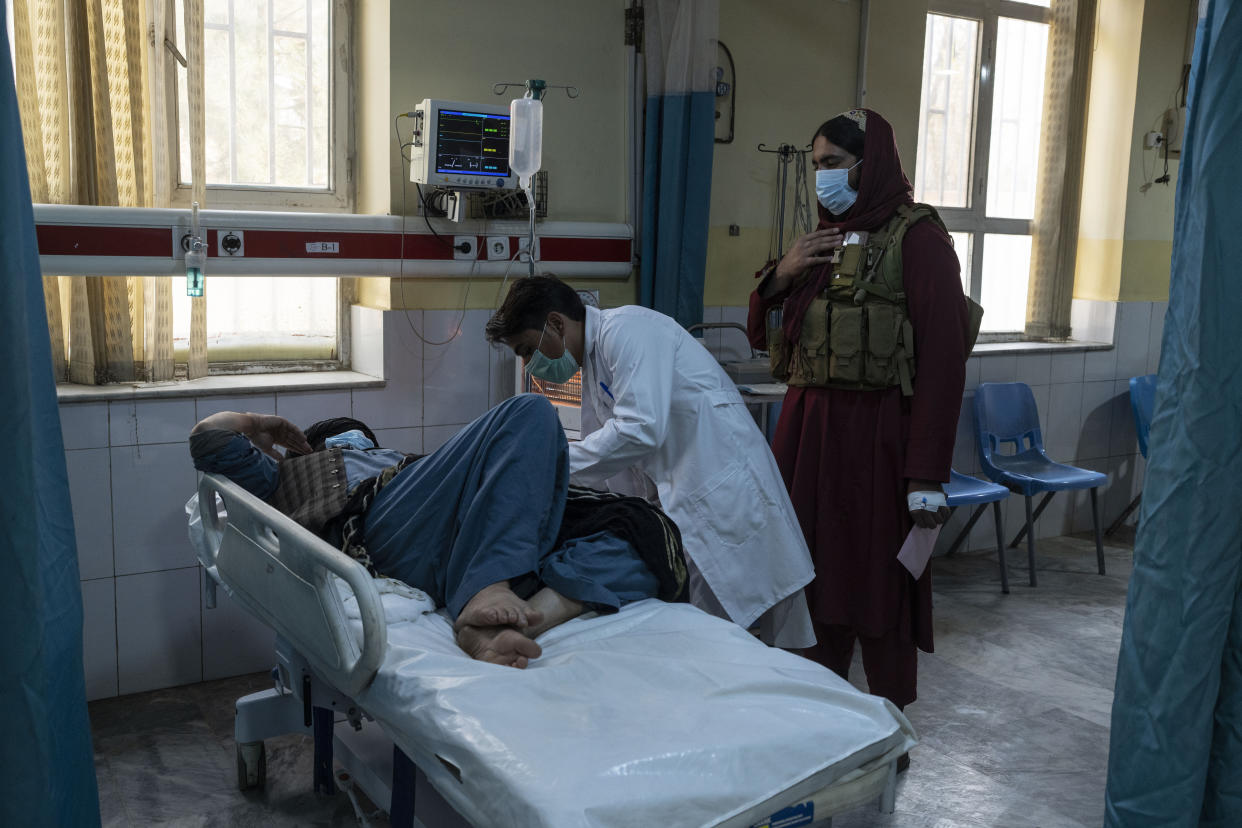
(284, 575)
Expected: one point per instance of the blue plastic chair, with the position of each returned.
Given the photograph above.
(1142, 403)
(1005, 415)
(971, 491)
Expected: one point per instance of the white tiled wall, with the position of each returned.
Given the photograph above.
(158, 630)
(99, 637)
(250, 642)
(399, 404)
(130, 472)
(92, 510)
(455, 350)
(1083, 399)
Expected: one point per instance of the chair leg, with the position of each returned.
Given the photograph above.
(1121, 518)
(962, 535)
(1095, 520)
(1030, 540)
(1039, 510)
(1000, 545)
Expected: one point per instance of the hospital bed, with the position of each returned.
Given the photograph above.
(657, 715)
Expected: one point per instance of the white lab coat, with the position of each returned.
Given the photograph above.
(654, 400)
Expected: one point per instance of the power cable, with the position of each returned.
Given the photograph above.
(401, 261)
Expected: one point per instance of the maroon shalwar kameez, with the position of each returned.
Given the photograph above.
(847, 456)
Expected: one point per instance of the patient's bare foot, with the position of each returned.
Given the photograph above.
(497, 606)
(498, 645)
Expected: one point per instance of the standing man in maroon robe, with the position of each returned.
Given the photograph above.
(865, 436)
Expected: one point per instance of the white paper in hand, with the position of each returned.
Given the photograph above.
(917, 549)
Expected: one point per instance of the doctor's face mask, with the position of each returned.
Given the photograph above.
(544, 367)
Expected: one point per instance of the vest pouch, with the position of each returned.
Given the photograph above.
(883, 337)
(778, 354)
(809, 366)
(851, 262)
(846, 364)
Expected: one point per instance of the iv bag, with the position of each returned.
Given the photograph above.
(525, 138)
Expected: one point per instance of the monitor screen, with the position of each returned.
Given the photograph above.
(472, 143)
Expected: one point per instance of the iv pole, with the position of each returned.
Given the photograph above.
(536, 89)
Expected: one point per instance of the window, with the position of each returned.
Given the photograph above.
(277, 137)
(8, 27)
(277, 129)
(262, 320)
(979, 125)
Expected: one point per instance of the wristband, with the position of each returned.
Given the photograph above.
(928, 501)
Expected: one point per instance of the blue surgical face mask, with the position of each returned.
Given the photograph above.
(832, 188)
(354, 439)
(544, 367)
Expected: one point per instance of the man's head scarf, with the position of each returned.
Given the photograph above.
(882, 188)
(317, 433)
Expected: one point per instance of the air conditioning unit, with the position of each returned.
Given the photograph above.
(565, 396)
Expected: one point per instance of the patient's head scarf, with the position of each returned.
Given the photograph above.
(882, 188)
(322, 430)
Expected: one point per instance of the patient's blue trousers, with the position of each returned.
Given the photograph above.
(487, 507)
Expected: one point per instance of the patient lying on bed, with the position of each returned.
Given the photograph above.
(487, 525)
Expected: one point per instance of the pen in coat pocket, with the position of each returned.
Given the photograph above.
(606, 391)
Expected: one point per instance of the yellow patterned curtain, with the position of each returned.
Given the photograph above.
(157, 328)
(1058, 193)
(195, 81)
(85, 84)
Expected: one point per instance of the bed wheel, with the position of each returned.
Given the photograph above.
(251, 765)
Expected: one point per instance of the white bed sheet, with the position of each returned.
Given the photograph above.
(657, 715)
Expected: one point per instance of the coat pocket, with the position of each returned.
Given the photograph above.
(730, 508)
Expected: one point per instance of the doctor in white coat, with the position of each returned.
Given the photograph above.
(658, 409)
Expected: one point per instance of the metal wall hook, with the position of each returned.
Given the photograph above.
(784, 150)
(570, 91)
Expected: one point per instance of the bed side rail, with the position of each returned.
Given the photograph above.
(281, 572)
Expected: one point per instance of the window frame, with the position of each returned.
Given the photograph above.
(973, 220)
(340, 195)
(341, 192)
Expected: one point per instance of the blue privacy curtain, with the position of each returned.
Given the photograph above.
(46, 760)
(679, 40)
(1176, 747)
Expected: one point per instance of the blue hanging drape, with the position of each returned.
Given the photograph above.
(46, 760)
(679, 41)
(1175, 757)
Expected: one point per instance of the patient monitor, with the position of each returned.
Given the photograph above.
(461, 146)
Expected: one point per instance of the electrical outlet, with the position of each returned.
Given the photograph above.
(230, 243)
(524, 245)
(497, 248)
(1152, 140)
(466, 248)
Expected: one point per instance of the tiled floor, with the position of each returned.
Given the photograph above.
(1013, 716)
(167, 758)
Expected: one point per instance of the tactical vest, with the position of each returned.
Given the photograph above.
(856, 333)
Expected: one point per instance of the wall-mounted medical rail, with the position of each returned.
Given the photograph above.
(132, 241)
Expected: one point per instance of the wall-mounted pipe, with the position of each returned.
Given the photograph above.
(864, 30)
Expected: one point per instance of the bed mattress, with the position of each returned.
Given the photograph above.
(657, 715)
